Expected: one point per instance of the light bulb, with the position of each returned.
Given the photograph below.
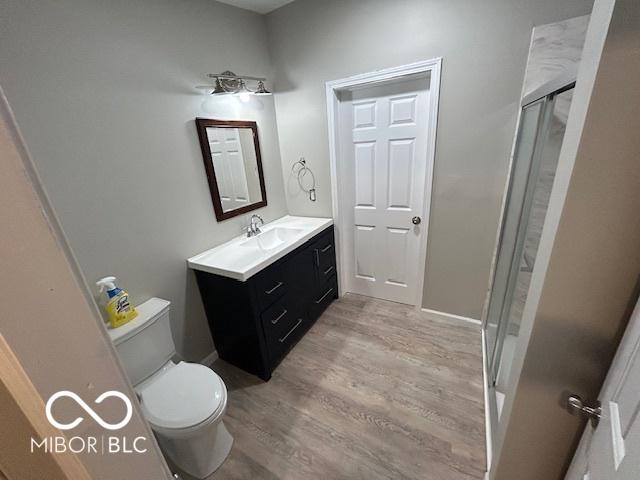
(243, 92)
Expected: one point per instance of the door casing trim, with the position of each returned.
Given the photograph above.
(424, 69)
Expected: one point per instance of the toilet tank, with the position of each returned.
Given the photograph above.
(145, 344)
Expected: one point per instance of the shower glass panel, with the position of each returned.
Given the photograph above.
(515, 198)
(542, 173)
(540, 135)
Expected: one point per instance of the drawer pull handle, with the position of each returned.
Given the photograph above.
(278, 285)
(276, 320)
(328, 247)
(328, 270)
(315, 250)
(325, 295)
(282, 340)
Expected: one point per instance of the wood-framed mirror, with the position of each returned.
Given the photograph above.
(232, 161)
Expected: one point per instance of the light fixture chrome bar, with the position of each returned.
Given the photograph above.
(228, 82)
(234, 77)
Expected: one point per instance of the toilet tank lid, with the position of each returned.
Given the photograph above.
(148, 312)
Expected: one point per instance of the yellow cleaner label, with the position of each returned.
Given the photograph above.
(120, 310)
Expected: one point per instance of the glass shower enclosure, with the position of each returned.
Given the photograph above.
(540, 134)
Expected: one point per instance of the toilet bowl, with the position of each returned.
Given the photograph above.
(183, 402)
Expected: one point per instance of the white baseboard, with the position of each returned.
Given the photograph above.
(209, 359)
(488, 434)
(450, 316)
(487, 420)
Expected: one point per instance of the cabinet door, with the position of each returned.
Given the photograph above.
(300, 276)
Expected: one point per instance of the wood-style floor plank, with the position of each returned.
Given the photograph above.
(375, 390)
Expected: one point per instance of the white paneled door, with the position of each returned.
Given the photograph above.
(612, 450)
(228, 163)
(384, 139)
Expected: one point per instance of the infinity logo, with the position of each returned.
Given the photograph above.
(89, 410)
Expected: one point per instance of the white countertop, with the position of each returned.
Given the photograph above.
(243, 257)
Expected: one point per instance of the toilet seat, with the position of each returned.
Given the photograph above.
(183, 396)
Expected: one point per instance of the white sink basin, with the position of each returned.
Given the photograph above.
(272, 238)
(243, 257)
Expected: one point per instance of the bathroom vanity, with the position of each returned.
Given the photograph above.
(262, 294)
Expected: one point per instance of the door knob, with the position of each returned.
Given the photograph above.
(416, 220)
(576, 406)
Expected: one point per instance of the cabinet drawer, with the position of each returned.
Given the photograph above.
(324, 274)
(277, 317)
(324, 297)
(324, 250)
(324, 257)
(271, 285)
(280, 343)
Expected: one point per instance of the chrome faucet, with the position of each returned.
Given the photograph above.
(253, 228)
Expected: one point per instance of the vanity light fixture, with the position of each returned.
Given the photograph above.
(229, 83)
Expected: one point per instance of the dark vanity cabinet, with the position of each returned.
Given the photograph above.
(255, 323)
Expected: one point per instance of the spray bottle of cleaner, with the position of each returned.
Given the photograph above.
(119, 309)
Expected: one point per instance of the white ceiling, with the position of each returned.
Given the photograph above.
(260, 6)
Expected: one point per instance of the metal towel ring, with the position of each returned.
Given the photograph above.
(300, 169)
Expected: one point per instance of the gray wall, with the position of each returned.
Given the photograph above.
(104, 95)
(484, 47)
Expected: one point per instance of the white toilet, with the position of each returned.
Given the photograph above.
(183, 402)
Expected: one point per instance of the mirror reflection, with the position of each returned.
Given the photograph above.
(234, 161)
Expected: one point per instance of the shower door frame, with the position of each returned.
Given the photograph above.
(513, 262)
(545, 94)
